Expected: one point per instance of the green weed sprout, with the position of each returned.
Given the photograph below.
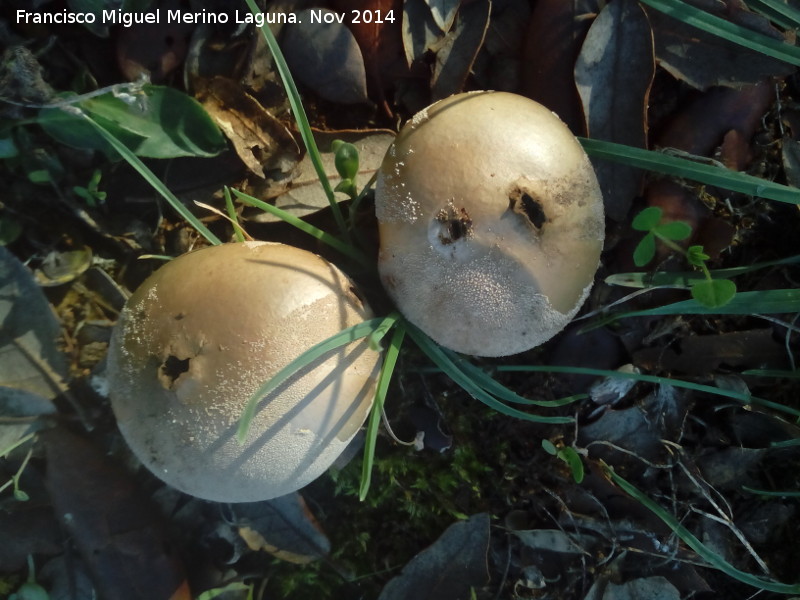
(346, 162)
(30, 590)
(569, 455)
(710, 292)
(19, 494)
(91, 193)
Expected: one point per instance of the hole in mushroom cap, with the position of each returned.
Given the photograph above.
(452, 224)
(356, 296)
(171, 369)
(524, 204)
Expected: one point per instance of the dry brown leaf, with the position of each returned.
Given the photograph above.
(304, 195)
(701, 126)
(449, 568)
(115, 528)
(704, 60)
(284, 527)
(456, 55)
(261, 141)
(381, 43)
(555, 34)
(613, 74)
(705, 354)
(153, 49)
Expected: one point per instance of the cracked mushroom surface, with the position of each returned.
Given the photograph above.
(491, 223)
(197, 339)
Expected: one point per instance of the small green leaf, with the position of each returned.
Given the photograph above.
(676, 231)
(549, 447)
(695, 255)
(573, 459)
(346, 186)
(346, 159)
(30, 590)
(714, 292)
(648, 219)
(645, 251)
(153, 122)
(40, 176)
(224, 590)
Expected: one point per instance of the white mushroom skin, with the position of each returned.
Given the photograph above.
(491, 223)
(198, 338)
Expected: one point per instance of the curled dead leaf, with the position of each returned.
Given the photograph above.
(261, 141)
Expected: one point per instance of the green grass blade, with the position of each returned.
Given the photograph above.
(334, 242)
(497, 389)
(743, 303)
(712, 558)
(679, 280)
(785, 443)
(688, 169)
(743, 397)
(154, 181)
(381, 330)
(685, 279)
(316, 351)
(773, 373)
(238, 235)
(302, 119)
(385, 377)
(779, 12)
(234, 586)
(441, 360)
(727, 30)
(772, 493)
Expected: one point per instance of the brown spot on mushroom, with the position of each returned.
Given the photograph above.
(453, 224)
(525, 204)
(356, 295)
(171, 369)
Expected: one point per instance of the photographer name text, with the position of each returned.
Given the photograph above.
(157, 16)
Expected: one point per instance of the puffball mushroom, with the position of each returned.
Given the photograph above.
(491, 223)
(201, 335)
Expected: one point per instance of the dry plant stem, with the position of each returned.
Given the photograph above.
(17, 444)
(236, 227)
(390, 431)
(15, 478)
(724, 517)
(713, 559)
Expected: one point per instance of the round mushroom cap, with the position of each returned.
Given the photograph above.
(491, 223)
(203, 333)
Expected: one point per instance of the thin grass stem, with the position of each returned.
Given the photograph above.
(300, 116)
(688, 169)
(344, 247)
(385, 377)
(151, 178)
(726, 30)
(344, 337)
(713, 559)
